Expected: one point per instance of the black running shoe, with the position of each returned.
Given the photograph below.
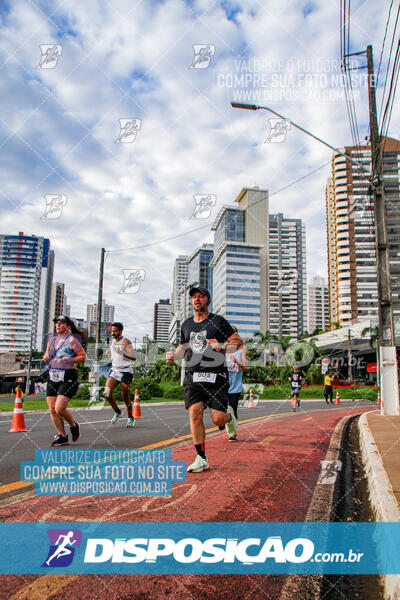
(221, 427)
(60, 440)
(75, 432)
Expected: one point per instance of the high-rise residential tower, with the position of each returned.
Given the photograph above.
(180, 279)
(26, 276)
(162, 319)
(318, 304)
(57, 303)
(287, 275)
(351, 232)
(107, 312)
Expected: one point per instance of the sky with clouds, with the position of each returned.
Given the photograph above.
(120, 112)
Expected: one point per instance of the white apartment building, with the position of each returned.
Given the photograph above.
(162, 319)
(287, 276)
(179, 281)
(318, 304)
(26, 274)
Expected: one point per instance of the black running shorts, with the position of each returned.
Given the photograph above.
(67, 388)
(127, 378)
(296, 391)
(213, 395)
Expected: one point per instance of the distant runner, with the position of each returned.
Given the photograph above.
(206, 381)
(62, 354)
(296, 379)
(237, 364)
(122, 354)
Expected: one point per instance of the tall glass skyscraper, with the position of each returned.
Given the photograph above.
(240, 262)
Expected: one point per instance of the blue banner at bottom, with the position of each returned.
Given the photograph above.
(214, 548)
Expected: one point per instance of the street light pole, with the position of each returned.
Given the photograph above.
(256, 107)
(388, 355)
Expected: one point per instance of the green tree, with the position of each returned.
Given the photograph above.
(265, 339)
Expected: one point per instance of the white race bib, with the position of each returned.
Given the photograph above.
(56, 375)
(116, 374)
(204, 377)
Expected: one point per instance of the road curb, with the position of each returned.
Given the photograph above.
(381, 494)
(320, 510)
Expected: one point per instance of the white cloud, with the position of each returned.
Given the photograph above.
(125, 60)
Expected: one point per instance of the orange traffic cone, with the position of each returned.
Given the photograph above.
(378, 401)
(251, 401)
(337, 397)
(18, 421)
(136, 406)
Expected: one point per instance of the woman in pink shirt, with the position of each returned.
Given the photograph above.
(63, 352)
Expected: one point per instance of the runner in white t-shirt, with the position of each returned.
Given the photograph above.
(122, 354)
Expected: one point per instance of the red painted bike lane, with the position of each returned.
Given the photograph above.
(268, 475)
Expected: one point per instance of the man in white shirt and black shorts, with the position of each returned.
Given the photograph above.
(296, 379)
(122, 353)
(206, 338)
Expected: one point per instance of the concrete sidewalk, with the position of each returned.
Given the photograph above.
(380, 448)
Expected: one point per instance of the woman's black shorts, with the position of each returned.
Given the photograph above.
(67, 388)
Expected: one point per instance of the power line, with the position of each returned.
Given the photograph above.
(208, 225)
(392, 92)
(388, 64)
(383, 44)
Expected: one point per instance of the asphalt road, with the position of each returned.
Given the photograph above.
(160, 423)
(269, 475)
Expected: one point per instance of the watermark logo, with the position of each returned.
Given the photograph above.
(287, 280)
(96, 401)
(128, 130)
(203, 205)
(62, 547)
(50, 54)
(278, 129)
(361, 207)
(251, 395)
(133, 279)
(55, 204)
(203, 54)
(329, 471)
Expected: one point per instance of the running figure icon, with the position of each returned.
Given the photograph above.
(62, 549)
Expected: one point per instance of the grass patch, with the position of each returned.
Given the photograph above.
(275, 392)
(41, 404)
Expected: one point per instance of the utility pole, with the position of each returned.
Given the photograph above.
(387, 346)
(95, 375)
(99, 303)
(349, 356)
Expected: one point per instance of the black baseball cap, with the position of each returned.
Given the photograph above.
(118, 325)
(202, 290)
(63, 319)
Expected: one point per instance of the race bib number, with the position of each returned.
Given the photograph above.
(116, 374)
(56, 376)
(204, 377)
